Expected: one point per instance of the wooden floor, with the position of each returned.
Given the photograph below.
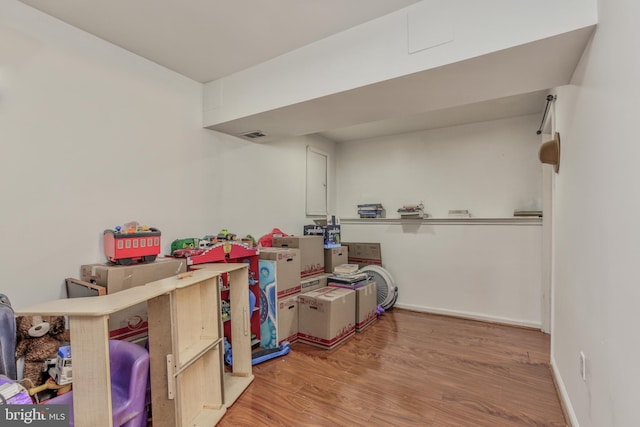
(408, 369)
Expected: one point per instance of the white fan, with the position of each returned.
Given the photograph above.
(387, 290)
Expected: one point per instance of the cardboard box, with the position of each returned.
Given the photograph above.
(313, 230)
(334, 257)
(366, 304)
(278, 316)
(364, 253)
(118, 277)
(314, 282)
(311, 252)
(330, 233)
(288, 319)
(287, 269)
(326, 317)
(131, 323)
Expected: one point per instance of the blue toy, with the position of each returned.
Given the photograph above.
(260, 355)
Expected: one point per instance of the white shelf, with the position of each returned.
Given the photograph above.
(446, 221)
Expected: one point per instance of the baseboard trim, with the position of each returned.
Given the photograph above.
(472, 316)
(565, 402)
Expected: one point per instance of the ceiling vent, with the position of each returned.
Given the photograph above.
(254, 134)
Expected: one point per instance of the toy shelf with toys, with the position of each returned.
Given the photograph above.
(189, 385)
(224, 248)
(218, 252)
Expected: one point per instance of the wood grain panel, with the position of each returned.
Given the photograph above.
(408, 369)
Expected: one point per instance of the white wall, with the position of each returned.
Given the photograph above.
(92, 136)
(490, 168)
(262, 186)
(480, 271)
(596, 290)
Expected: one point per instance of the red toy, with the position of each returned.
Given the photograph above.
(187, 252)
(136, 243)
(266, 240)
(218, 252)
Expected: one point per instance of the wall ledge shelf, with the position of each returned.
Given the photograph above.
(445, 221)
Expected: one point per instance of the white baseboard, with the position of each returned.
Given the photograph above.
(472, 316)
(564, 396)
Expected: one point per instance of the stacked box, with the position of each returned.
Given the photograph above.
(364, 253)
(311, 252)
(287, 265)
(334, 257)
(314, 282)
(366, 304)
(326, 317)
(279, 287)
(330, 233)
(288, 319)
(130, 324)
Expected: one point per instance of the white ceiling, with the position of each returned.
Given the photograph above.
(209, 39)
(511, 106)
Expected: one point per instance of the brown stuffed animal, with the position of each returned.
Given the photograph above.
(38, 339)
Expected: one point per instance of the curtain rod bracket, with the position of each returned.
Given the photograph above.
(546, 109)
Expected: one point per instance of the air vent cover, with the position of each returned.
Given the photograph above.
(253, 134)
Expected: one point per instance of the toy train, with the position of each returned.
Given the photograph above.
(126, 246)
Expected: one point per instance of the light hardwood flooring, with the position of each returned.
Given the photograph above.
(408, 369)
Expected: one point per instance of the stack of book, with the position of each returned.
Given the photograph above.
(412, 211)
(371, 210)
(519, 212)
(459, 213)
(353, 280)
(345, 269)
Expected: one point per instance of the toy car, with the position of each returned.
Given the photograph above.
(187, 252)
(205, 244)
(224, 234)
(61, 372)
(190, 242)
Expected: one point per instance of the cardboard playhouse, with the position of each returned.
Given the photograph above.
(130, 324)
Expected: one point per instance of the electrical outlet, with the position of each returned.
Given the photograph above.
(583, 366)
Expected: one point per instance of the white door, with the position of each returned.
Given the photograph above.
(316, 182)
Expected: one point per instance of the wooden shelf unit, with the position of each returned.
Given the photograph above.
(241, 373)
(186, 352)
(233, 252)
(188, 383)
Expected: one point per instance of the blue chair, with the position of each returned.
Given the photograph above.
(129, 364)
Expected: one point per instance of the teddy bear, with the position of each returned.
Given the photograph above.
(38, 339)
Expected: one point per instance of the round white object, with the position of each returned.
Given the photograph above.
(386, 289)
